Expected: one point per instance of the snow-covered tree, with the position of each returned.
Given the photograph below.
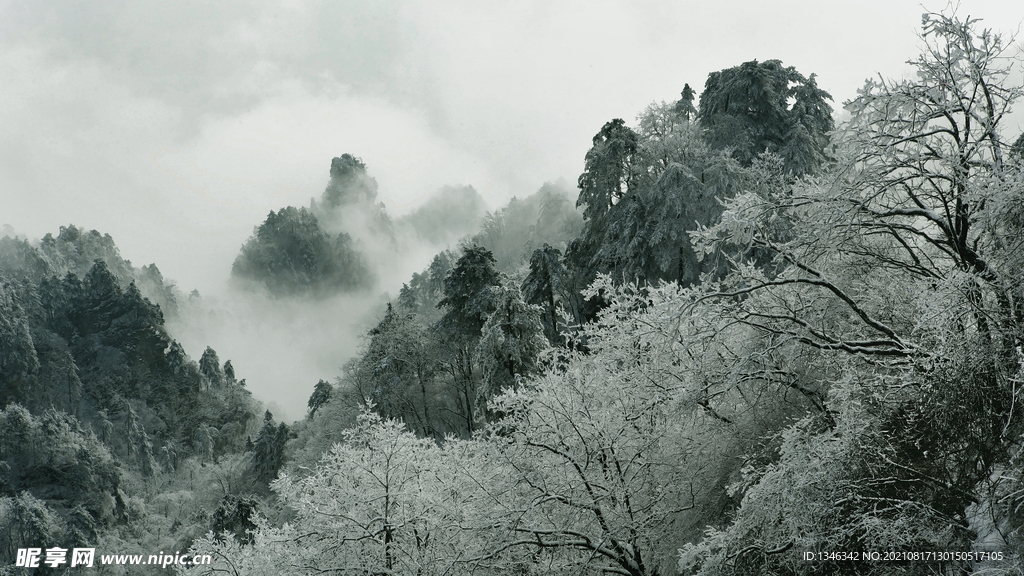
(893, 279)
(511, 342)
(380, 502)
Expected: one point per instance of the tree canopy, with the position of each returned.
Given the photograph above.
(291, 254)
(755, 337)
(764, 106)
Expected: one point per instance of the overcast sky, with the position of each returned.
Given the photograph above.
(176, 126)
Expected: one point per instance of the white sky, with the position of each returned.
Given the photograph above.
(176, 126)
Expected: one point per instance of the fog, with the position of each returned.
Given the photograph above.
(283, 344)
(176, 128)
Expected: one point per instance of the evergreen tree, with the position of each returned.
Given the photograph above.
(684, 107)
(202, 443)
(437, 272)
(95, 305)
(234, 515)
(291, 253)
(610, 170)
(321, 395)
(399, 367)
(209, 365)
(512, 341)
(18, 361)
(268, 449)
(541, 287)
(27, 522)
(747, 110)
(468, 293)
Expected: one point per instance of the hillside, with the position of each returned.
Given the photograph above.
(755, 339)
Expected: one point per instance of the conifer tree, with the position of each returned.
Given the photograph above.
(209, 365)
(747, 109)
(321, 395)
(541, 287)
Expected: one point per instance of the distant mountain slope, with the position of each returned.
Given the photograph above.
(95, 394)
(325, 249)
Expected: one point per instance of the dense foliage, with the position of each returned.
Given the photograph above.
(761, 107)
(321, 250)
(290, 253)
(793, 340)
(99, 404)
(759, 338)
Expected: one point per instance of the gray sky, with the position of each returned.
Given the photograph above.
(176, 126)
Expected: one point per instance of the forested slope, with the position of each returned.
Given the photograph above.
(771, 337)
(757, 343)
(104, 415)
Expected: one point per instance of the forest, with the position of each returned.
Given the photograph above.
(754, 340)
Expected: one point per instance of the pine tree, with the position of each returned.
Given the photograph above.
(321, 395)
(268, 449)
(747, 110)
(541, 287)
(209, 365)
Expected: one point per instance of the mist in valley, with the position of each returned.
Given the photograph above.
(284, 336)
(442, 288)
(177, 138)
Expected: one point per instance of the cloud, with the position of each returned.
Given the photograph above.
(176, 127)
